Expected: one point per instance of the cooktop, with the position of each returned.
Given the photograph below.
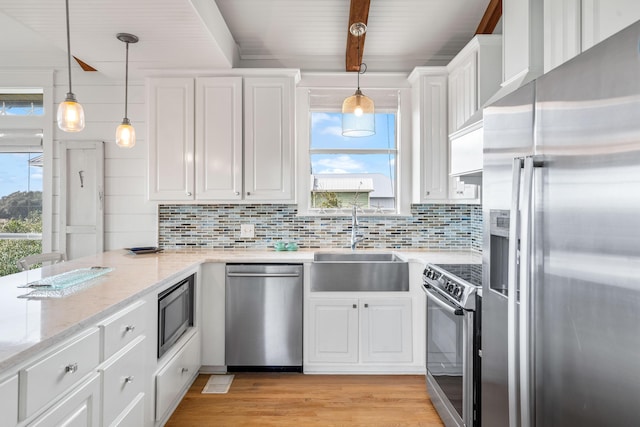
(471, 273)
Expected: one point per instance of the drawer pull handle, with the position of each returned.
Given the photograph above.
(71, 368)
(128, 380)
(185, 370)
(130, 328)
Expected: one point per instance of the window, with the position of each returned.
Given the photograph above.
(21, 176)
(347, 171)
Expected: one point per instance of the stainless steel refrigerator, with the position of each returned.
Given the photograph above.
(561, 255)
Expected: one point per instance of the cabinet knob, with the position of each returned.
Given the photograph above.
(428, 192)
(189, 193)
(184, 370)
(237, 193)
(366, 306)
(130, 328)
(248, 193)
(128, 380)
(355, 306)
(71, 368)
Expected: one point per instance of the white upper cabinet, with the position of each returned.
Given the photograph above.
(269, 164)
(522, 58)
(429, 134)
(475, 75)
(219, 138)
(236, 144)
(573, 26)
(171, 148)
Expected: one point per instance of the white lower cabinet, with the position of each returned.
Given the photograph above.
(9, 400)
(58, 371)
(80, 408)
(360, 330)
(123, 380)
(176, 375)
(333, 330)
(385, 330)
(132, 416)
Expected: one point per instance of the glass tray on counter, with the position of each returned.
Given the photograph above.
(64, 284)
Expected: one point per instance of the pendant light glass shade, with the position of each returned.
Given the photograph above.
(70, 115)
(126, 133)
(358, 111)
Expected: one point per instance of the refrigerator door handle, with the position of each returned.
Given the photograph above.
(512, 297)
(526, 296)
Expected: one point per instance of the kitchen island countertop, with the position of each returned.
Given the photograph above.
(28, 326)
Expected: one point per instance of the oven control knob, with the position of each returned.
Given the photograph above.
(449, 287)
(457, 291)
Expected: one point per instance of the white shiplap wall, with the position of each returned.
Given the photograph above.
(130, 220)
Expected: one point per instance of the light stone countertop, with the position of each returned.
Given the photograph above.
(30, 326)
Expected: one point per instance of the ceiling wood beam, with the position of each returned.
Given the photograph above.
(359, 12)
(492, 15)
(84, 65)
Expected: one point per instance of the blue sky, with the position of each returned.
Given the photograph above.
(326, 133)
(16, 175)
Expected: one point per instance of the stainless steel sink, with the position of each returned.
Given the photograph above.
(359, 272)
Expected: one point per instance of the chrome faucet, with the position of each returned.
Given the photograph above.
(355, 227)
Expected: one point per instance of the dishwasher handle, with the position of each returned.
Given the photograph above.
(263, 274)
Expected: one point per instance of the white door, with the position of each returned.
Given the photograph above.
(81, 198)
(333, 330)
(385, 328)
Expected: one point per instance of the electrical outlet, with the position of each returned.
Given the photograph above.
(247, 230)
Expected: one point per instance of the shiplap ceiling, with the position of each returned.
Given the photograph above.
(209, 34)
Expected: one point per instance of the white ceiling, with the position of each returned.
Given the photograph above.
(207, 34)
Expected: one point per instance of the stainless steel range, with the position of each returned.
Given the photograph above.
(453, 341)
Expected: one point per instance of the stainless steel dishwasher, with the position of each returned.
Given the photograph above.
(263, 317)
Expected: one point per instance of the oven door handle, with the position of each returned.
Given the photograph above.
(442, 303)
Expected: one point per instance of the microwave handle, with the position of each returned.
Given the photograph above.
(512, 298)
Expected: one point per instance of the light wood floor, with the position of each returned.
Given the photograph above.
(275, 399)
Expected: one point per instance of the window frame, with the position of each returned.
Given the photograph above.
(29, 80)
(311, 82)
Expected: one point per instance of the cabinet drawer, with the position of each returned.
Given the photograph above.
(59, 371)
(80, 408)
(133, 415)
(123, 380)
(9, 400)
(122, 328)
(176, 375)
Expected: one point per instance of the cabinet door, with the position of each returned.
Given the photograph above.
(333, 330)
(463, 92)
(176, 376)
(171, 141)
(219, 138)
(385, 328)
(268, 139)
(433, 161)
(9, 400)
(81, 408)
(603, 18)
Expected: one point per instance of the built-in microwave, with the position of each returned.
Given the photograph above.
(175, 313)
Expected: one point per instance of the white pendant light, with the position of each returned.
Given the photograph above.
(70, 112)
(358, 111)
(126, 134)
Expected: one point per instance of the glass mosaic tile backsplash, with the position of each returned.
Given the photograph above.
(432, 226)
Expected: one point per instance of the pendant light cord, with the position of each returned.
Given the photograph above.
(68, 46)
(126, 82)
